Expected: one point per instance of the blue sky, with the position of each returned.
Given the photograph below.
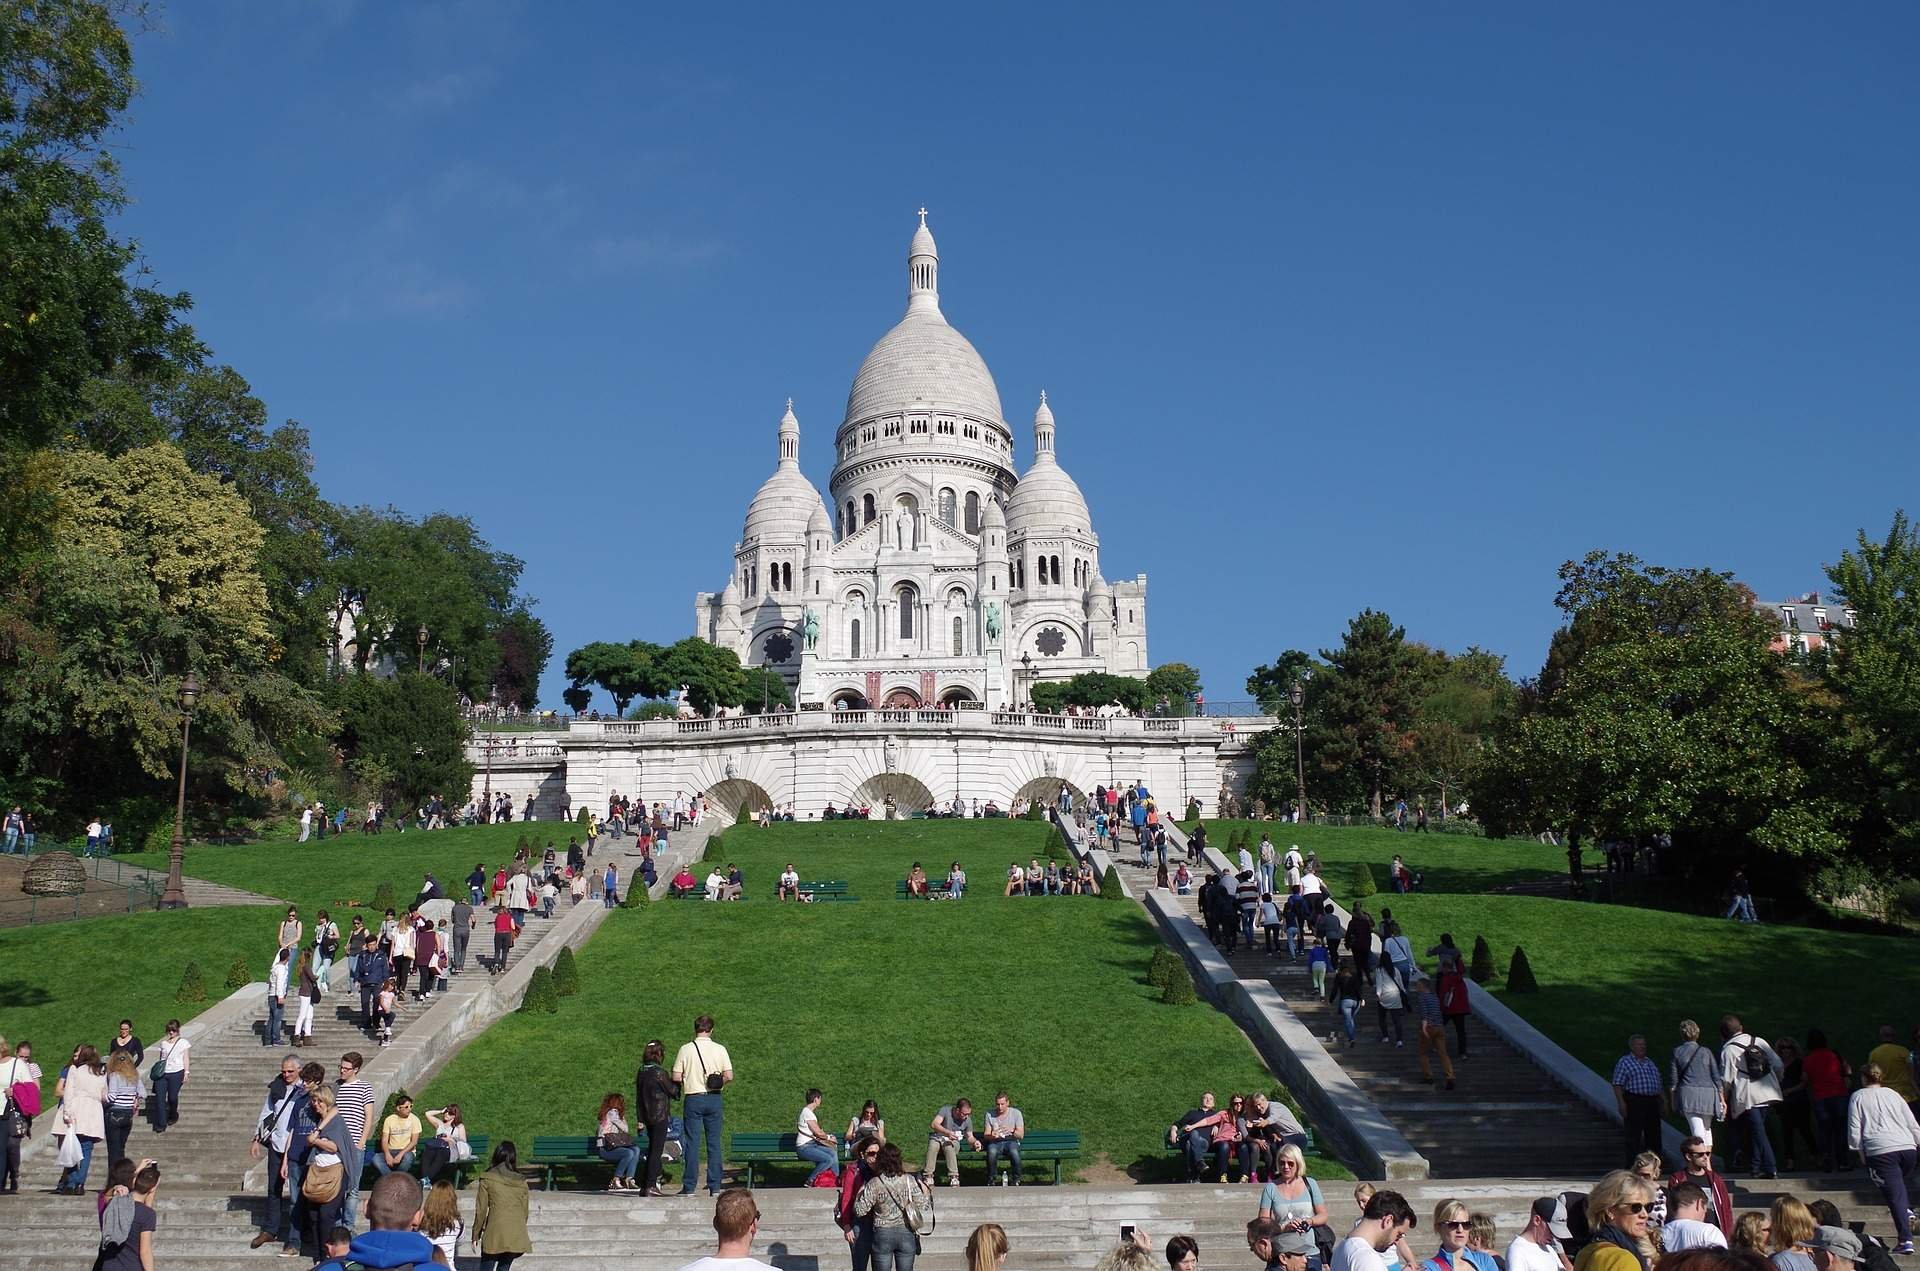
(1337, 306)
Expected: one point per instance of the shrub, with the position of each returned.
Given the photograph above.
(1480, 967)
(238, 976)
(744, 816)
(566, 975)
(636, 892)
(715, 853)
(1160, 966)
(1110, 885)
(1179, 987)
(1193, 810)
(1363, 884)
(1520, 973)
(383, 897)
(1906, 898)
(1035, 811)
(193, 985)
(542, 998)
(520, 845)
(582, 817)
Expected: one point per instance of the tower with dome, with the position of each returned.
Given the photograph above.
(936, 575)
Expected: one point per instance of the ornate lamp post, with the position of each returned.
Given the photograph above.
(1298, 694)
(175, 895)
(1026, 673)
(420, 657)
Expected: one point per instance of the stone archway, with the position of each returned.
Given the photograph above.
(955, 695)
(1046, 791)
(847, 699)
(910, 794)
(730, 796)
(900, 699)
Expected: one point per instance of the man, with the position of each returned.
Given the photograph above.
(393, 1214)
(128, 1220)
(429, 890)
(1896, 1065)
(736, 1221)
(1262, 1235)
(1360, 939)
(951, 1126)
(276, 999)
(1005, 1128)
(1328, 926)
(789, 888)
(1687, 1226)
(461, 930)
(1433, 1029)
(1246, 896)
(285, 1093)
(399, 1137)
(1835, 1249)
(1750, 1072)
(1224, 911)
(1537, 1247)
(703, 1068)
(1268, 857)
(1193, 1134)
(354, 1100)
(1292, 864)
(1698, 1171)
(1742, 893)
(1641, 1097)
(1386, 1218)
(93, 837)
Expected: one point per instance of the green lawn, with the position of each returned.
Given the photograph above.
(1608, 971)
(63, 983)
(1447, 862)
(909, 1003)
(329, 874)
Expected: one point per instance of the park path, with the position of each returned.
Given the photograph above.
(1505, 1118)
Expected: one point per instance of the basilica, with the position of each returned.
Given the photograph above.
(935, 575)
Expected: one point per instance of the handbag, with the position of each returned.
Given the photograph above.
(910, 1216)
(322, 1182)
(619, 1140)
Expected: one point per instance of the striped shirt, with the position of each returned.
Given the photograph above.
(1637, 1074)
(352, 1098)
(122, 1094)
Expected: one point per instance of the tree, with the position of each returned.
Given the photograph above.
(1091, 689)
(1272, 686)
(1174, 683)
(411, 727)
(623, 671)
(1469, 696)
(525, 647)
(764, 688)
(1366, 705)
(713, 675)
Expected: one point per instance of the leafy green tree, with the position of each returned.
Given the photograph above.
(1272, 686)
(1174, 683)
(411, 726)
(622, 671)
(525, 647)
(1470, 695)
(1092, 689)
(713, 675)
(1365, 707)
(764, 689)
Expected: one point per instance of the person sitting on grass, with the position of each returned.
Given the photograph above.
(789, 888)
(1016, 879)
(682, 883)
(1051, 878)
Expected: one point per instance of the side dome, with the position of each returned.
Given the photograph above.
(786, 504)
(1046, 498)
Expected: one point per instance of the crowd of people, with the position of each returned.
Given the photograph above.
(624, 814)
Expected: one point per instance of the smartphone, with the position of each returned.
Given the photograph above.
(1126, 1233)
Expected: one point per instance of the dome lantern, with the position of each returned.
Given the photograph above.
(923, 269)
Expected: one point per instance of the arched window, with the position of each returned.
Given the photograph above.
(853, 638)
(849, 525)
(973, 512)
(906, 598)
(946, 506)
(959, 636)
(1056, 569)
(866, 508)
(786, 577)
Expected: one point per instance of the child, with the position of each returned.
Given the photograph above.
(383, 1009)
(441, 945)
(1317, 960)
(339, 1243)
(1183, 880)
(548, 893)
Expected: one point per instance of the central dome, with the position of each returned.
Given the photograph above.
(923, 364)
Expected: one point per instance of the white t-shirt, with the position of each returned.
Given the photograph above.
(808, 1127)
(1310, 883)
(789, 879)
(1687, 1233)
(1524, 1255)
(1356, 1254)
(728, 1264)
(175, 1053)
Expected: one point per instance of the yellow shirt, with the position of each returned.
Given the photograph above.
(399, 1133)
(1896, 1073)
(697, 1060)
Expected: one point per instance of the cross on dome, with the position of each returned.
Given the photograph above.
(923, 216)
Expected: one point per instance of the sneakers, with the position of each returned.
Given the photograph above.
(953, 1180)
(1905, 1247)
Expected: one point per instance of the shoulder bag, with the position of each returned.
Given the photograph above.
(322, 1182)
(911, 1216)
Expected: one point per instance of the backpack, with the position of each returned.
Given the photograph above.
(1876, 1256)
(1753, 1062)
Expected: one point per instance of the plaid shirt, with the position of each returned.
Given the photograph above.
(1637, 1074)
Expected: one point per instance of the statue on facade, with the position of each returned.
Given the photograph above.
(903, 528)
(729, 769)
(892, 753)
(810, 629)
(993, 621)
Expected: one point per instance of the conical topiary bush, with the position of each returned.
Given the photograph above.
(637, 894)
(1480, 967)
(382, 898)
(238, 976)
(1110, 885)
(193, 985)
(1179, 987)
(1520, 973)
(1160, 966)
(541, 998)
(1363, 884)
(566, 975)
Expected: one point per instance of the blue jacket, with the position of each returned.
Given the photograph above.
(385, 1249)
(1473, 1257)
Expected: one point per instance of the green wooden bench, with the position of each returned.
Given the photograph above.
(753, 1149)
(566, 1151)
(824, 891)
(1179, 1156)
(1040, 1147)
(479, 1144)
(936, 890)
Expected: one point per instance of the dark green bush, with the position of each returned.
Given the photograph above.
(1110, 885)
(542, 998)
(238, 976)
(1520, 973)
(1480, 967)
(1160, 966)
(193, 985)
(636, 892)
(566, 975)
(1179, 987)
(1363, 884)
(382, 899)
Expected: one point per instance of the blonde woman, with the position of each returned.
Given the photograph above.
(1749, 1233)
(987, 1248)
(1789, 1223)
(1617, 1213)
(440, 1220)
(1453, 1227)
(1693, 1084)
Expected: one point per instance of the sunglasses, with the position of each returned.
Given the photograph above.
(1636, 1206)
(1457, 1225)
(1699, 1156)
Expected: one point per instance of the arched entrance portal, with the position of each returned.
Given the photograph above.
(902, 699)
(1046, 791)
(910, 795)
(955, 695)
(729, 797)
(848, 699)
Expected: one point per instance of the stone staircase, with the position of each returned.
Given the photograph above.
(1047, 1227)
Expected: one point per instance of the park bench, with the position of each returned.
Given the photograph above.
(479, 1144)
(824, 891)
(1040, 1147)
(1179, 1156)
(936, 890)
(567, 1151)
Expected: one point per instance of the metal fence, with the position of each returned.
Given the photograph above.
(119, 889)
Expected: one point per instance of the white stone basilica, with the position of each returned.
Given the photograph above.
(939, 576)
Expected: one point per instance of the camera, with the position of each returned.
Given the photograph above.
(714, 1082)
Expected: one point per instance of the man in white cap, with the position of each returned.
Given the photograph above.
(1834, 1249)
(1537, 1247)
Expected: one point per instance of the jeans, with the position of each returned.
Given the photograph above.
(170, 1083)
(1196, 1147)
(609, 897)
(277, 1210)
(1830, 1127)
(380, 1163)
(861, 1247)
(313, 1219)
(820, 1156)
(704, 1117)
(1642, 1121)
(9, 1161)
(1348, 1005)
(352, 1163)
(75, 1179)
(119, 1126)
(13, 837)
(1007, 1149)
(496, 1261)
(276, 1021)
(625, 1160)
(1395, 1020)
(1742, 908)
(1890, 1173)
(894, 1249)
(1246, 926)
(1753, 1126)
(457, 960)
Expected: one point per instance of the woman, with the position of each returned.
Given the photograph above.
(1229, 1136)
(83, 1095)
(450, 1127)
(440, 1220)
(1647, 1166)
(1749, 1235)
(889, 1196)
(124, 1042)
(175, 1068)
(811, 1143)
(309, 990)
(1398, 950)
(917, 881)
(987, 1247)
(1827, 1075)
(358, 940)
(15, 1069)
(1617, 1214)
(1347, 995)
(500, 1211)
(1693, 1084)
(1796, 1108)
(868, 1125)
(326, 942)
(1453, 1224)
(323, 1192)
(1390, 1001)
(1881, 1127)
(124, 1096)
(1294, 1201)
(290, 928)
(1183, 1254)
(1789, 1223)
(654, 1092)
(1447, 953)
(614, 1141)
(1456, 1004)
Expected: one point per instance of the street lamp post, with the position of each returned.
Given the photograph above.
(420, 658)
(175, 895)
(1299, 697)
(1026, 673)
